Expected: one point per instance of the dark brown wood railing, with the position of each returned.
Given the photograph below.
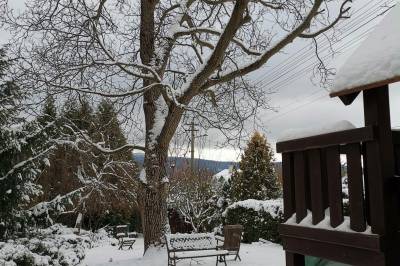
(312, 178)
(396, 143)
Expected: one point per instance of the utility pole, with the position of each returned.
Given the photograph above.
(192, 140)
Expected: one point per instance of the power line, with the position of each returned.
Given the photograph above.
(298, 74)
(276, 70)
(343, 47)
(294, 65)
(296, 108)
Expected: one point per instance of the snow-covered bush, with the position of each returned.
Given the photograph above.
(56, 245)
(260, 219)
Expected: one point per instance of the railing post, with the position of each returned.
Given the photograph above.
(383, 198)
(301, 186)
(380, 162)
(335, 185)
(293, 259)
(288, 185)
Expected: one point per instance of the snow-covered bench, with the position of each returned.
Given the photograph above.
(190, 246)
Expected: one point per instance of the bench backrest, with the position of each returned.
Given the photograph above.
(121, 229)
(182, 242)
(232, 237)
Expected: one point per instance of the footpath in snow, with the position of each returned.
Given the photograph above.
(256, 254)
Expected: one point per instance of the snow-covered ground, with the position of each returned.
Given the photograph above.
(256, 254)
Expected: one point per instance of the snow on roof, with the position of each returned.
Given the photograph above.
(376, 62)
(292, 134)
(226, 174)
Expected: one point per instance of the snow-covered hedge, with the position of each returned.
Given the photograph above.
(56, 245)
(260, 219)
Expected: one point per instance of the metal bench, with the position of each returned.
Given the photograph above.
(191, 246)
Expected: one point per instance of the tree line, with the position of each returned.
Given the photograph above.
(50, 163)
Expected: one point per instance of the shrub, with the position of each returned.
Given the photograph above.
(56, 245)
(260, 219)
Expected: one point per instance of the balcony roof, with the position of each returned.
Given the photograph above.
(375, 63)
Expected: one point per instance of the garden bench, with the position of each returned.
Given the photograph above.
(191, 246)
(125, 238)
(231, 240)
(126, 242)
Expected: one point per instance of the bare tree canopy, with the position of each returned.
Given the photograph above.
(162, 61)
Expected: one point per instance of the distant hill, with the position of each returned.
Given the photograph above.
(213, 166)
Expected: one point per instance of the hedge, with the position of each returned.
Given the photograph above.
(260, 219)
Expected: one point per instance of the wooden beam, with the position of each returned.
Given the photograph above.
(380, 163)
(289, 200)
(349, 248)
(349, 239)
(349, 98)
(371, 86)
(355, 180)
(335, 186)
(327, 140)
(301, 188)
(316, 189)
(293, 259)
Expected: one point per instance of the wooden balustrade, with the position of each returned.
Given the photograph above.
(396, 143)
(312, 176)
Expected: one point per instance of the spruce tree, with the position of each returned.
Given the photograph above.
(256, 178)
(23, 148)
(108, 128)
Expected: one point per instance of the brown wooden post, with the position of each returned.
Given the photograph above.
(380, 168)
(301, 187)
(356, 197)
(316, 188)
(293, 259)
(335, 185)
(288, 185)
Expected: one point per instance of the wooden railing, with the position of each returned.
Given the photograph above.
(396, 143)
(312, 176)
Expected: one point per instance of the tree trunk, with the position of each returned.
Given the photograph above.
(153, 198)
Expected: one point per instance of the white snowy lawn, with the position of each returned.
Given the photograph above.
(256, 254)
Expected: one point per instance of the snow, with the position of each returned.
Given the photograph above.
(292, 134)
(160, 115)
(191, 241)
(256, 254)
(56, 245)
(376, 60)
(199, 253)
(226, 174)
(142, 176)
(271, 206)
(326, 223)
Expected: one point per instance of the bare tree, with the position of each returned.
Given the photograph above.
(162, 61)
(191, 195)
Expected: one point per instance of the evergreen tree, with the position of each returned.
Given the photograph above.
(108, 129)
(104, 181)
(23, 148)
(256, 178)
(49, 111)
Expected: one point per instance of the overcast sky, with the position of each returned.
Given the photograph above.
(298, 101)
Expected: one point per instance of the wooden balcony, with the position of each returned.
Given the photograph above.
(312, 179)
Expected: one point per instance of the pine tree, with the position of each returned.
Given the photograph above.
(256, 178)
